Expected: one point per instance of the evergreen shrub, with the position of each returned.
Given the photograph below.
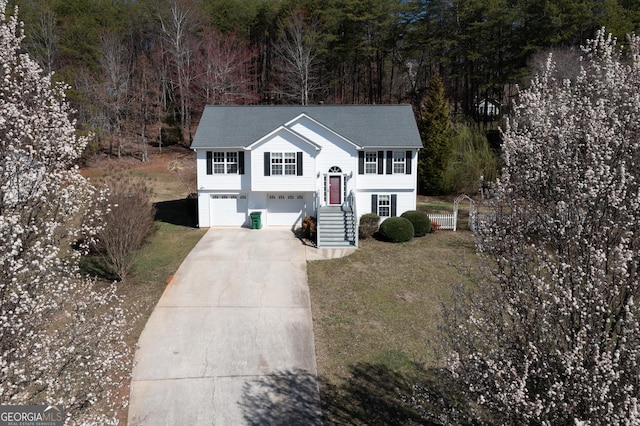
(420, 221)
(396, 229)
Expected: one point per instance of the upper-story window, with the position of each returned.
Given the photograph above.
(384, 162)
(283, 163)
(220, 162)
(399, 162)
(370, 162)
(225, 162)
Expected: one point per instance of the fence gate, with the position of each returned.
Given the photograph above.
(472, 211)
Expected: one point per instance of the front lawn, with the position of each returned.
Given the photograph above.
(375, 316)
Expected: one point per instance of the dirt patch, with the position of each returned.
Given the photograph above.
(170, 172)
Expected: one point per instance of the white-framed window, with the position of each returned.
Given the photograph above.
(232, 162)
(225, 163)
(384, 205)
(290, 163)
(276, 163)
(399, 162)
(283, 163)
(370, 162)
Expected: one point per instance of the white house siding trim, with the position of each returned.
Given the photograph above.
(222, 182)
(405, 200)
(388, 182)
(282, 130)
(283, 142)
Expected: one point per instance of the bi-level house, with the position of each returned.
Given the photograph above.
(332, 162)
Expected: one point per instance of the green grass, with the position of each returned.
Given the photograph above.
(380, 305)
(164, 252)
(375, 323)
(435, 206)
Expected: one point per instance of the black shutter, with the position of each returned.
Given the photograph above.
(394, 202)
(374, 203)
(267, 164)
(209, 162)
(380, 162)
(361, 162)
(241, 162)
(389, 162)
(299, 163)
(407, 166)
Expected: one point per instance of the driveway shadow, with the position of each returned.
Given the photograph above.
(371, 395)
(283, 398)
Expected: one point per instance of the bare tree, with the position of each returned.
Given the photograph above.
(297, 50)
(44, 37)
(147, 104)
(116, 64)
(225, 69)
(177, 29)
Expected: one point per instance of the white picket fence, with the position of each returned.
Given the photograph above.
(446, 220)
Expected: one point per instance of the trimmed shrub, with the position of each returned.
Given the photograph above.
(369, 224)
(420, 221)
(397, 229)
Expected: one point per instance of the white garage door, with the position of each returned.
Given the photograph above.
(285, 209)
(228, 209)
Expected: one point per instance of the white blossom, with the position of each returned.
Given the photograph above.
(553, 336)
(60, 335)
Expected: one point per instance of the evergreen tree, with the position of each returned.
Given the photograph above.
(435, 131)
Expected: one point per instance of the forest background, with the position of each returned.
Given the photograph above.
(142, 71)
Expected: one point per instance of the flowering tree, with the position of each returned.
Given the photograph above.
(60, 334)
(553, 337)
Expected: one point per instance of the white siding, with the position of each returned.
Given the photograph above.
(406, 200)
(222, 182)
(283, 142)
(335, 152)
(203, 209)
(373, 182)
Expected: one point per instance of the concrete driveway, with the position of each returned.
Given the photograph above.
(231, 340)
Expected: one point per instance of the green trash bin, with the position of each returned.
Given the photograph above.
(256, 221)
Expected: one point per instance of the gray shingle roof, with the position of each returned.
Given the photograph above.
(367, 126)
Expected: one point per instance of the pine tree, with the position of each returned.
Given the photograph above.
(435, 131)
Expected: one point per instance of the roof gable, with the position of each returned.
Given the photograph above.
(303, 116)
(287, 130)
(364, 126)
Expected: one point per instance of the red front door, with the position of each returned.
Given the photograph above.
(335, 188)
